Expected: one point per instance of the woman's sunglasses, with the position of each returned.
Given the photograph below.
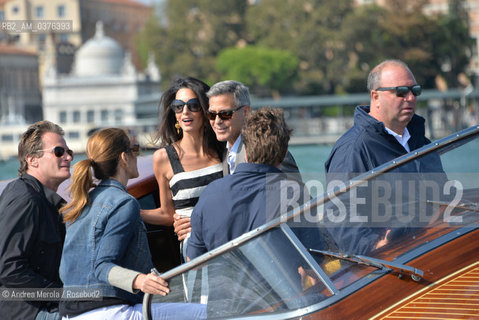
(402, 91)
(192, 104)
(59, 151)
(224, 115)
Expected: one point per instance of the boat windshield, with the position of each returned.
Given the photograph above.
(359, 230)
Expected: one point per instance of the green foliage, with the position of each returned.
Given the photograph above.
(365, 42)
(453, 45)
(192, 33)
(308, 29)
(142, 42)
(331, 44)
(260, 68)
(401, 30)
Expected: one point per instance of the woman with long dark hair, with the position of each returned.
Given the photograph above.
(190, 157)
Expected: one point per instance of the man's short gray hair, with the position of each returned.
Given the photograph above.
(240, 92)
(374, 77)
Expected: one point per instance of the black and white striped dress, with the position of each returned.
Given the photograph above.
(186, 186)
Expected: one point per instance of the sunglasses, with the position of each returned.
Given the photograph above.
(402, 91)
(224, 115)
(192, 104)
(135, 149)
(59, 151)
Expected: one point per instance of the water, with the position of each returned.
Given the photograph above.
(310, 159)
(8, 169)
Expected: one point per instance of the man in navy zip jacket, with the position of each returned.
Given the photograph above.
(384, 130)
(387, 128)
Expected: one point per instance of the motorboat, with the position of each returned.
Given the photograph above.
(397, 242)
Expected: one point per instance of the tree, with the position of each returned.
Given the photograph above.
(398, 30)
(191, 33)
(453, 49)
(142, 40)
(401, 30)
(363, 33)
(411, 35)
(265, 71)
(336, 43)
(308, 29)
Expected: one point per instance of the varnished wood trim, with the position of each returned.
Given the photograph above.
(143, 187)
(389, 289)
(435, 284)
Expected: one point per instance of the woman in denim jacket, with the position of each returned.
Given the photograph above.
(106, 253)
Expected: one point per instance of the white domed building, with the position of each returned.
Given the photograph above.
(99, 56)
(103, 90)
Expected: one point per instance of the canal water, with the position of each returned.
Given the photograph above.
(310, 159)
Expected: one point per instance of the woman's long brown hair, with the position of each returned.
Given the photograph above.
(104, 149)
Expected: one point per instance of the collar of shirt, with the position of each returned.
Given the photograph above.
(52, 197)
(257, 168)
(402, 139)
(232, 153)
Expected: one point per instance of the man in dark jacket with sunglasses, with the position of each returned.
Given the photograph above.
(32, 231)
(387, 128)
(384, 130)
